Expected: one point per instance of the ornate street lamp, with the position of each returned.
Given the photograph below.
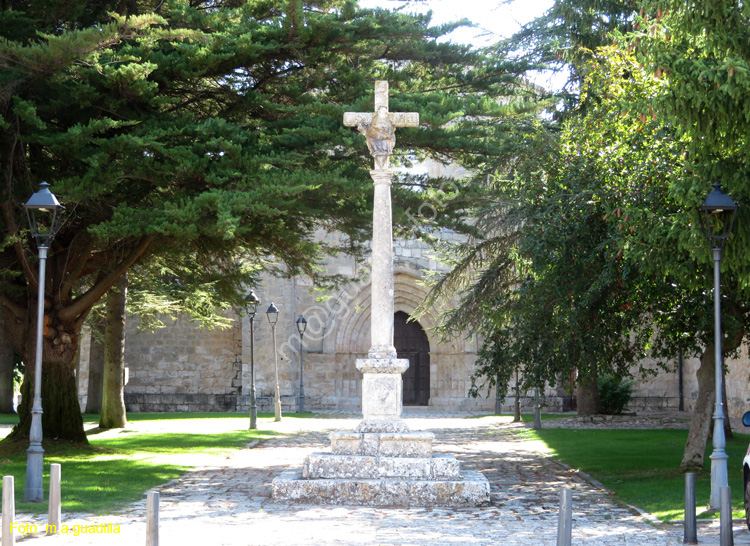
(717, 219)
(44, 213)
(251, 304)
(301, 327)
(273, 317)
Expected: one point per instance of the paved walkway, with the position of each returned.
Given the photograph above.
(227, 501)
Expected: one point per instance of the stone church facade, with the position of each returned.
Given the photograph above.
(185, 368)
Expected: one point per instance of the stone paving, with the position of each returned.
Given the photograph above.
(226, 501)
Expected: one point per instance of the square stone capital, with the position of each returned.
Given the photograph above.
(382, 365)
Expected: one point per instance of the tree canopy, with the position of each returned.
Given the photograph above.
(210, 134)
(591, 257)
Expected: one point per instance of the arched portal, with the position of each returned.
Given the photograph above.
(411, 343)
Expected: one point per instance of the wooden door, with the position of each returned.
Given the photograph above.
(411, 343)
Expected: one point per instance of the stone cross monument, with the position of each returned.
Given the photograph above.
(381, 381)
(381, 463)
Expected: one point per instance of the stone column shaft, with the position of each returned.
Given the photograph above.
(381, 335)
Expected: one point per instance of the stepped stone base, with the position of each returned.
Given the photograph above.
(472, 489)
(382, 469)
(331, 466)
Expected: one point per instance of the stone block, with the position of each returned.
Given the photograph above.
(472, 489)
(332, 466)
(381, 396)
(382, 444)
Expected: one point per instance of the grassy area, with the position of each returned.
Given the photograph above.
(119, 466)
(640, 466)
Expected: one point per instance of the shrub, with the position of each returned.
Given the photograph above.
(615, 393)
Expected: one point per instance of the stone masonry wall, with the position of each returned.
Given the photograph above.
(662, 392)
(182, 368)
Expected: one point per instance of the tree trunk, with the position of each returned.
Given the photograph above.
(727, 425)
(96, 366)
(7, 359)
(589, 402)
(517, 406)
(61, 417)
(113, 399)
(700, 425)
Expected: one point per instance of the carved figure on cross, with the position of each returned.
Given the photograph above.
(379, 126)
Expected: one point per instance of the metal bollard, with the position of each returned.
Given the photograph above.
(152, 519)
(565, 518)
(725, 517)
(9, 510)
(55, 509)
(691, 534)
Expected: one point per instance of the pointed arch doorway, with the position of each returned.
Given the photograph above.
(411, 343)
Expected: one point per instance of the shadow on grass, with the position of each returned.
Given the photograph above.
(170, 442)
(641, 466)
(109, 473)
(94, 480)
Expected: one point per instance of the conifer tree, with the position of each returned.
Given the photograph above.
(209, 133)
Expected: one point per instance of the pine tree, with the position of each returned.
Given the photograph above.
(207, 133)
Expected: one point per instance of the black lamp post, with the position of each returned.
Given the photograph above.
(273, 317)
(251, 303)
(44, 213)
(717, 218)
(301, 327)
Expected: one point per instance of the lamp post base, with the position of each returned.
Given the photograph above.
(253, 416)
(277, 409)
(34, 491)
(719, 477)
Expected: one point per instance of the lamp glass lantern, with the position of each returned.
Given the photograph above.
(43, 211)
(251, 303)
(273, 314)
(717, 216)
(301, 325)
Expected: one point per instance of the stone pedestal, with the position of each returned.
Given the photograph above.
(382, 463)
(382, 394)
(470, 490)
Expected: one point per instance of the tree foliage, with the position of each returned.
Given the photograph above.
(578, 223)
(204, 140)
(594, 258)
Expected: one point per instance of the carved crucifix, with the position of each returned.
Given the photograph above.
(379, 126)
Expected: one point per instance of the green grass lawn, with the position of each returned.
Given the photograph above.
(640, 466)
(119, 466)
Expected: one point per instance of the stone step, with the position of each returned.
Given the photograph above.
(383, 444)
(472, 489)
(333, 466)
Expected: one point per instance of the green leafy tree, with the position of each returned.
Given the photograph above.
(700, 50)
(563, 40)
(556, 287)
(209, 133)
